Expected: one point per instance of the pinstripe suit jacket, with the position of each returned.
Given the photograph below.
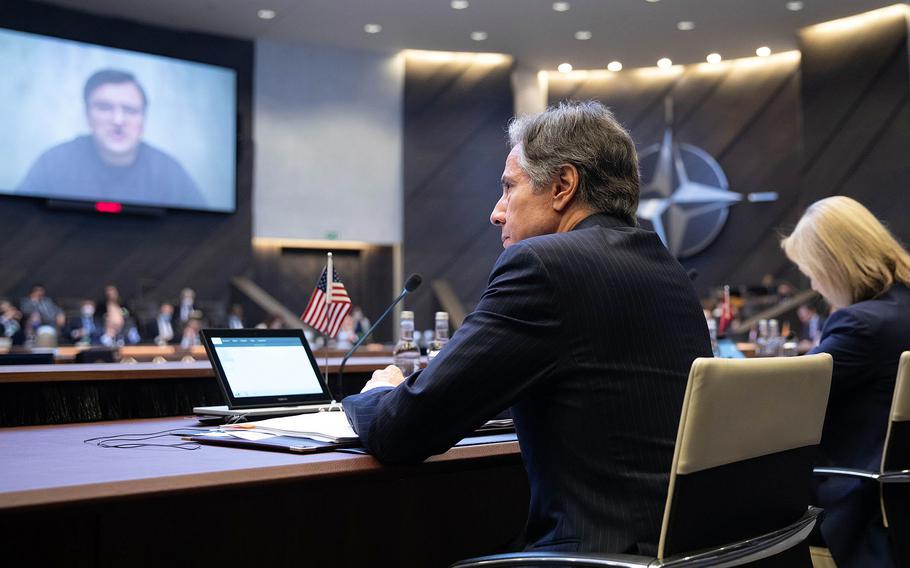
(588, 335)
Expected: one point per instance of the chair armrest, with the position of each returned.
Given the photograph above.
(846, 472)
(556, 559)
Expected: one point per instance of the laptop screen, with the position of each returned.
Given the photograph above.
(265, 367)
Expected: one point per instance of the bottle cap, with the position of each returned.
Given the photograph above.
(442, 315)
(407, 314)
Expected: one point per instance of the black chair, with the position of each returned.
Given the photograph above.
(740, 480)
(43, 358)
(894, 476)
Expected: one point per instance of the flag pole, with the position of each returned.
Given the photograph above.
(329, 280)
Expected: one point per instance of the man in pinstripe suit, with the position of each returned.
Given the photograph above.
(587, 331)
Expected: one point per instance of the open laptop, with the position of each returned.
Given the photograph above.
(263, 373)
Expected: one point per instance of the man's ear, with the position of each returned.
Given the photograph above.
(565, 186)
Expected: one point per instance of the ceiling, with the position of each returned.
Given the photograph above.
(635, 32)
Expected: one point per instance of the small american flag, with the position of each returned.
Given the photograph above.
(325, 316)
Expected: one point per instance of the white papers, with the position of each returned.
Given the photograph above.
(323, 426)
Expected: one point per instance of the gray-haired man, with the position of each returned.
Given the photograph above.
(587, 331)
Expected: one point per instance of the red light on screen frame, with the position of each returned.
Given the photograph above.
(108, 207)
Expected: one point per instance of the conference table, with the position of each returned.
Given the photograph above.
(67, 502)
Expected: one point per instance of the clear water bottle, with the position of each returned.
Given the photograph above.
(775, 341)
(761, 343)
(712, 333)
(406, 355)
(441, 336)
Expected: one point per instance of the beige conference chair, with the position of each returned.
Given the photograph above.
(739, 482)
(893, 478)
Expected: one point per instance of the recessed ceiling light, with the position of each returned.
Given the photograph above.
(266, 14)
(478, 36)
(561, 6)
(372, 28)
(614, 66)
(685, 26)
(564, 67)
(664, 63)
(652, 1)
(763, 51)
(459, 4)
(713, 58)
(794, 6)
(583, 35)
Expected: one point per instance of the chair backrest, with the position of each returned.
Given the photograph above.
(896, 457)
(747, 442)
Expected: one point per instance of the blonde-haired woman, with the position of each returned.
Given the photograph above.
(864, 273)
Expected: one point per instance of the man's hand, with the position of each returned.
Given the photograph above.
(389, 377)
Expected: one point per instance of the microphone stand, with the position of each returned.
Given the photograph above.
(364, 337)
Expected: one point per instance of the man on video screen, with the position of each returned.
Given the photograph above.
(112, 163)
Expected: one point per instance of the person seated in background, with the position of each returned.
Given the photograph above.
(112, 162)
(118, 324)
(274, 321)
(11, 323)
(346, 335)
(186, 307)
(161, 329)
(189, 337)
(361, 323)
(82, 329)
(811, 332)
(235, 318)
(859, 268)
(40, 310)
(587, 330)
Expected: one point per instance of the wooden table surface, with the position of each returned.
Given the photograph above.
(51, 465)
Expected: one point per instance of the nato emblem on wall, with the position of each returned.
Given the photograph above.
(685, 197)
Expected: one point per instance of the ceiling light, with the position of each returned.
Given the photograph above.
(794, 6)
(266, 14)
(564, 67)
(583, 35)
(664, 63)
(713, 58)
(652, 1)
(561, 6)
(478, 36)
(372, 28)
(459, 4)
(685, 26)
(763, 51)
(614, 66)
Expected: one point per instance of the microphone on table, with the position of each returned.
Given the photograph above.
(411, 284)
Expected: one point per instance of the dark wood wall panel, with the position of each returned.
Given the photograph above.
(151, 258)
(856, 111)
(746, 115)
(455, 119)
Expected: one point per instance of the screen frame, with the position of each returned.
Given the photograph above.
(263, 401)
(220, 51)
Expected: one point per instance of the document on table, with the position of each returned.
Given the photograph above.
(323, 426)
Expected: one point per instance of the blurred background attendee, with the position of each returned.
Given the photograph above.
(361, 323)
(83, 329)
(346, 335)
(811, 332)
(111, 310)
(235, 318)
(863, 272)
(161, 329)
(11, 323)
(273, 321)
(37, 303)
(189, 337)
(186, 307)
